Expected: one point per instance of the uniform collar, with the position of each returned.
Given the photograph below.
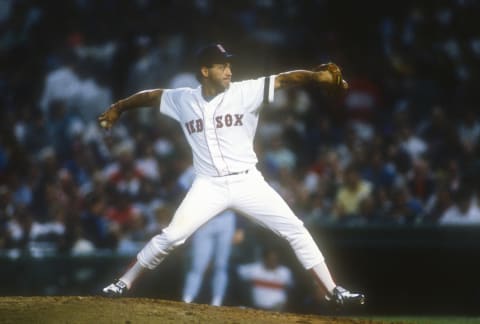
(215, 99)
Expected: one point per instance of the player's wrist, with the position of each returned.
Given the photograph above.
(119, 107)
(323, 77)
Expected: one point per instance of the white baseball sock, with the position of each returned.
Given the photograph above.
(132, 274)
(323, 275)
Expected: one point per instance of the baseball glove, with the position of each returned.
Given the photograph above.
(338, 85)
(109, 117)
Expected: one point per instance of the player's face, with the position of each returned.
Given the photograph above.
(220, 75)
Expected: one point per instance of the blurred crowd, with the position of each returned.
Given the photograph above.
(400, 148)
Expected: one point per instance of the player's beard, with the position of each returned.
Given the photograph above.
(226, 84)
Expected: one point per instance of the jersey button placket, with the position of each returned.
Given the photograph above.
(212, 141)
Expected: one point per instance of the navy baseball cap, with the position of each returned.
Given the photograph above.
(212, 54)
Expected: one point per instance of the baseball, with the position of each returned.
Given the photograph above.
(104, 123)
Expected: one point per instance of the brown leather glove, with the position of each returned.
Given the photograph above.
(338, 85)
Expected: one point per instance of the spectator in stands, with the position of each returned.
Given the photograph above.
(377, 208)
(48, 237)
(125, 175)
(350, 195)
(362, 103)
(90, 96)
(411, 143)
(319, 211)
(463, 211)
(17, 230)
(468, 130)
(269, 281)
(421, 181)
(441, 137)
(36, 134)
(380, 172)
(121, 210)
(61, 84)
(405, 208)
(278, 156)
(147, 163)
(95, 226)
(438, 204)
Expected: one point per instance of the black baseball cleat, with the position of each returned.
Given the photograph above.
(116, 289)
(342, 297)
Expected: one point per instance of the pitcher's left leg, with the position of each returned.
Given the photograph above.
(204, 200)
(265, 206)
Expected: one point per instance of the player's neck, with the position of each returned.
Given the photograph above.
(209, 92)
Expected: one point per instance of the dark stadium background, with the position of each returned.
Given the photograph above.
(411, 127)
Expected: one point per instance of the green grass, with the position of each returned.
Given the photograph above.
(427, 320)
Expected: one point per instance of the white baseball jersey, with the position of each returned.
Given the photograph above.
(221, 131)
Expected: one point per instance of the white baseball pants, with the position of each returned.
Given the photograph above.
(247, 193)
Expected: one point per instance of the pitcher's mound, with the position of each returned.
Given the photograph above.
(140, 310)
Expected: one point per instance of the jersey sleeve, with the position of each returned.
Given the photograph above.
(257, 92)
(169, 103)
(269, 89)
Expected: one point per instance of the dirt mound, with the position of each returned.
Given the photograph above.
(139, 310)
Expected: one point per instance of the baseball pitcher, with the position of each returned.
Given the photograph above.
(219, 119)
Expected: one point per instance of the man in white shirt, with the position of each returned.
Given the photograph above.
(269, 280)
(463, 211)
(219, 120)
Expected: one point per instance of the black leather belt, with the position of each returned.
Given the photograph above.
(236, 173)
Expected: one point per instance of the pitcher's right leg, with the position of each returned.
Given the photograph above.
(204, 200)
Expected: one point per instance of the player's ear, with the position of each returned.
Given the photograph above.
(204, 71)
